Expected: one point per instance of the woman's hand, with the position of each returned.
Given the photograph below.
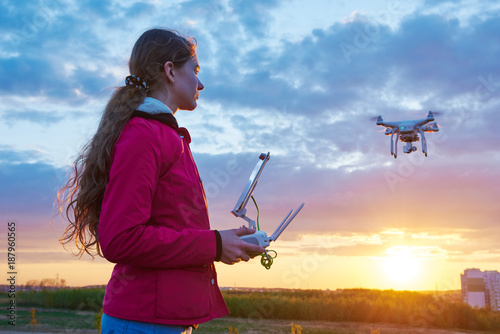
(234, 249)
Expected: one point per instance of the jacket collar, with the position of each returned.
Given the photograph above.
(154, 109)
(165, 118)
(153, 106)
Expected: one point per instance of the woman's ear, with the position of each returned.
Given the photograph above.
(168, 67)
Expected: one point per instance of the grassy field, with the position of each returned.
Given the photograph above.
(345, 311)
(51, 320)
(83, 322)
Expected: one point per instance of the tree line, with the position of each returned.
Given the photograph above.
(362, 305)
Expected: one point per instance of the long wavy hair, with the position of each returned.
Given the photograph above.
(81, 198)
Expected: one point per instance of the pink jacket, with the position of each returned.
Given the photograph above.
(154, 225)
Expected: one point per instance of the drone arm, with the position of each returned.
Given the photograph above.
(389, 124)
(433, 128)
(421, 122)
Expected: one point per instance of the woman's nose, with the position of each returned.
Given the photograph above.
(200, 85)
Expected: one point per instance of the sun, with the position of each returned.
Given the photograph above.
(400, 267)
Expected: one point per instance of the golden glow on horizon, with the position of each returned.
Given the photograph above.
(401, 266)
(395, 259)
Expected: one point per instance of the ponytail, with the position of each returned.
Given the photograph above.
(83, 193)
(81, 198)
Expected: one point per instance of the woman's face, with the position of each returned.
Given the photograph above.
(185, 89)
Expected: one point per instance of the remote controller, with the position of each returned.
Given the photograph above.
(258, 238)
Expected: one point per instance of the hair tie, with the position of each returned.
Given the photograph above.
(134, 80)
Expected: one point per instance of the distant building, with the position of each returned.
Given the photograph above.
(481, 288)
(493, 289)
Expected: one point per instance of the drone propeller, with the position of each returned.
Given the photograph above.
(420, 113)
(434, 113)
(377, 119)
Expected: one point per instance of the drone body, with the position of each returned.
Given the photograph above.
(408, 132)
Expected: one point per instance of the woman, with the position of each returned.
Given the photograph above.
(137, 198)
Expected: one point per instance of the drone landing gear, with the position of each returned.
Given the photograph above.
(424, 141)
(395, 154)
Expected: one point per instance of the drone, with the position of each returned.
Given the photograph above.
(408, 132)
(260, 237)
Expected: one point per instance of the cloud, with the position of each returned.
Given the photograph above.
(425, 196)
(29, 185)
(38, 117)
(427, 56)
(355, 250)
(57, 53)
(430, 61)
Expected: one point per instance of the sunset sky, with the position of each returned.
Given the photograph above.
(302, 80)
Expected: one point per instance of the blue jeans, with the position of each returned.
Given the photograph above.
(112, 325)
